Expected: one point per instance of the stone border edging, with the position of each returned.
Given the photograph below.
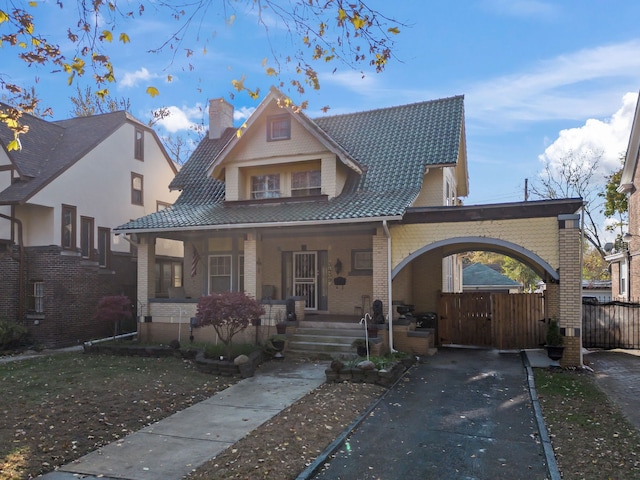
(313, 468)
(547, 447)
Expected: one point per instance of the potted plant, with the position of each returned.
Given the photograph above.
(554, 340)
(360, 344)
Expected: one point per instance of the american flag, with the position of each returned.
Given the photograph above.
(195, 259)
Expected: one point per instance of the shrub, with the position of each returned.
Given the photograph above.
(554, 338)
(12, 334)
(113, 308)
(228, 313)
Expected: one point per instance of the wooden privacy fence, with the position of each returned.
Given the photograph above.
(611, 325)
(501, 320)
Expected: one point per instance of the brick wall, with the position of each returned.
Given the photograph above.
(72, 290)
(9, 268)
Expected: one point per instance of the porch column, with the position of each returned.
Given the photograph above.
(380, 287)
(146, 273)
(251, 265)
(570, 295)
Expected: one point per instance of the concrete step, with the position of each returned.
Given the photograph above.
(318, 346)
(330, 332)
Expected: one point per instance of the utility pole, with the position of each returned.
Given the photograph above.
(526, 189)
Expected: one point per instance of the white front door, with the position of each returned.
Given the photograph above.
(305, 268)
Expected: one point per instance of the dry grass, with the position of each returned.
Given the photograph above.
(58, 408)
(590, 436)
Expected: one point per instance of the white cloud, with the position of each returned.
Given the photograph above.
(572, 86)
(609, 137)
(131, 79)
(243, 113)
(185, 118)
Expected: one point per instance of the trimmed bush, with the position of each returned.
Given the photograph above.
(228, 313)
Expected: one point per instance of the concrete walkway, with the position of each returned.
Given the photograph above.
(462, 414)
(173, 447)
(617, 373)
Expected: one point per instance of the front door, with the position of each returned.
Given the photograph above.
(305, 279)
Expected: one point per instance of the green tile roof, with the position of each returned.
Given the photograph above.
(395, 146)
(478, 274)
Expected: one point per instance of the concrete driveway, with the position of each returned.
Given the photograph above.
(617, 373)
(462, 414)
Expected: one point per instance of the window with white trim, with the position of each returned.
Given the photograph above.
(36, 296)
(278, 128)
(68, 241)
(306, 183)
(137, 189)
(265, 186)
(219, 273)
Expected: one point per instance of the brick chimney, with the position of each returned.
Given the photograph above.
(220, 117)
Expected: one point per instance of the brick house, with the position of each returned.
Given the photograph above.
(61, 195)
(340, 211)
(625, 269)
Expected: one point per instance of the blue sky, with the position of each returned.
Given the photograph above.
(540, 78)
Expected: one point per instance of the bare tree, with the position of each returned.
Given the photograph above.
(86, 103)
(575, 175)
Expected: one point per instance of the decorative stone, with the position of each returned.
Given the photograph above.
(366, 365)
(241, 360)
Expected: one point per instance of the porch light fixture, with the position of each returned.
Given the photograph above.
(627, 237)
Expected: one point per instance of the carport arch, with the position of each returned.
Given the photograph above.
(464, 244)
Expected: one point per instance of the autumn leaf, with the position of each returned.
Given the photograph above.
(169, 78)
(3, 17)
(33, 4)
(153, 91)
(342, 15)
(13, 145)
(394, 30)
(102, 93)
(124, 38)
(107, 35)
(357, 22)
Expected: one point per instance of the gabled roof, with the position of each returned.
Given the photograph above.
(275, 96)
(631, 157)
(392, 147)
(480, 275)
(50, 148)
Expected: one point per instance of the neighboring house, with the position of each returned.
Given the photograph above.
(599, 290)
(625, 263)
(61, 195)
(478, 277)
(340, 211)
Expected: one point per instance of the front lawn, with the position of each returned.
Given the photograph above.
(58, 408)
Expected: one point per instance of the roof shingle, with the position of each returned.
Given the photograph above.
(395, 145)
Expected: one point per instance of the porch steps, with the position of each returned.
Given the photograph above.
(324, 340)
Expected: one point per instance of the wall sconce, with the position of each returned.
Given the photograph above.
(338, 266)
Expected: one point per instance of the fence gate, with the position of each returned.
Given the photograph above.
(501, 320)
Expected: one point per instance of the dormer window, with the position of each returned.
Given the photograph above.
(304, 184)
(278, 128)
(265, 186)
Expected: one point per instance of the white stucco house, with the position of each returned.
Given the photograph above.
(61, 195)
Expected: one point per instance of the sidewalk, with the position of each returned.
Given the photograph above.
(173, 447)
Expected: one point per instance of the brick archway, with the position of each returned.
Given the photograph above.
(545, 235)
